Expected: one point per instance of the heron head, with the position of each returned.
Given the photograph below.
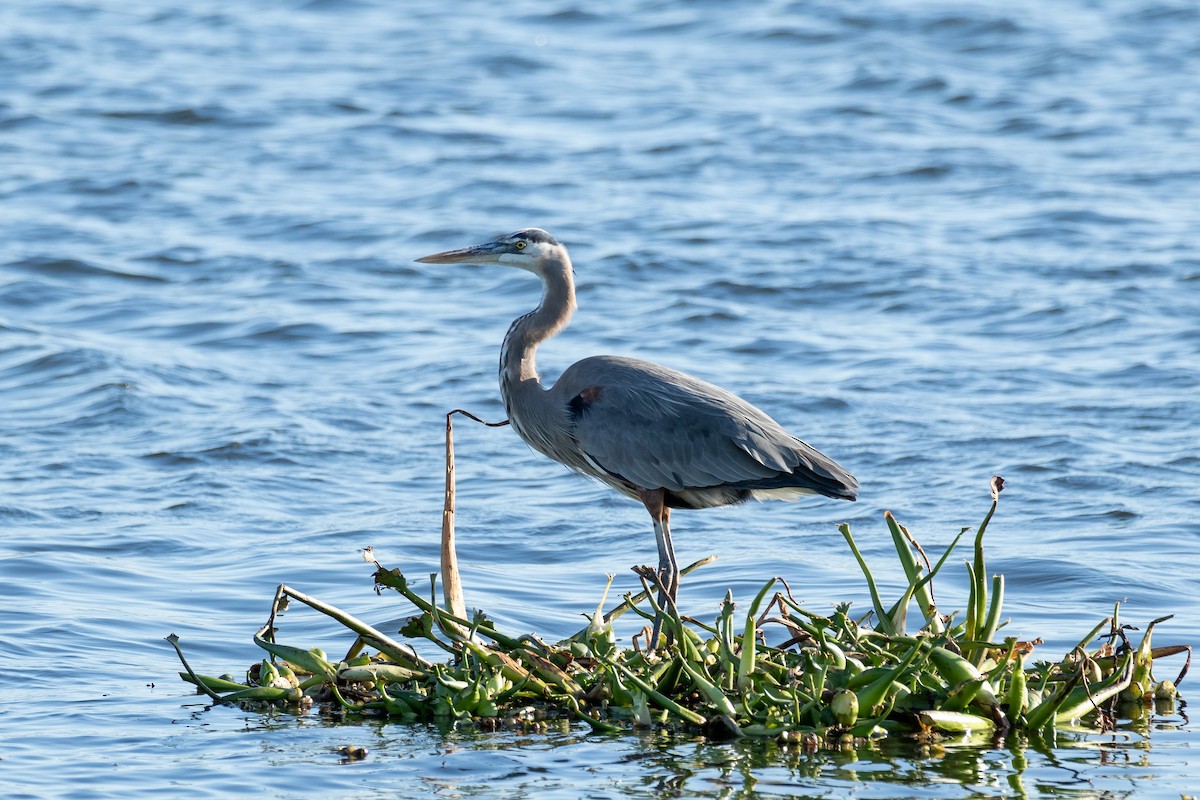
(530, 248)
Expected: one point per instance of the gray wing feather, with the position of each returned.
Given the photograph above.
(658, 428)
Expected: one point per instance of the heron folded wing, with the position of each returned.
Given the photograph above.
(657, 428)
(664, 453)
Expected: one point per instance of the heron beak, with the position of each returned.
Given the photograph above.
(479, 254)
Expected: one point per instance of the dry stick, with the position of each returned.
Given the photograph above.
(451, 582)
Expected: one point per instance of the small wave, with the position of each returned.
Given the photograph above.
(59, 365)
(274, 333)
(259, 449)
(789, 34)
(511, 66)
(924, 172)
(17, 122)
(189, 116)
(33, 293)
(74, 268)
(16, 515)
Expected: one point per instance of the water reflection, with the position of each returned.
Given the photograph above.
(1076, 764)
(1144, 755)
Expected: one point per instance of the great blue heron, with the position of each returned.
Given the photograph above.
(653, 434)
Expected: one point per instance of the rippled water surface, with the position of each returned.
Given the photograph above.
(938, 240)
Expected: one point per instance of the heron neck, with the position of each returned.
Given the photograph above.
(518, 357)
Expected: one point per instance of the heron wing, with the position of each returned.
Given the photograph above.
(657, 428)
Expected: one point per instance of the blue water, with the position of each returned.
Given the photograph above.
(939, 241)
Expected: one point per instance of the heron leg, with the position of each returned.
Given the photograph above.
(668, 568)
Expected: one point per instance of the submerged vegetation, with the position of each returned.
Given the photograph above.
(831, 678)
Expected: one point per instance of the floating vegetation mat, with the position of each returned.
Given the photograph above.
(898, 669)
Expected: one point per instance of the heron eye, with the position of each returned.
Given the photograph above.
(519, 245)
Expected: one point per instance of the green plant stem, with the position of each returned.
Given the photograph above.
(385, 644)
(885, 622)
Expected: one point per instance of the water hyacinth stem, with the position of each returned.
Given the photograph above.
(712, 693)
(1015, 697)
(312, 661)
(1084, 699)
(1141, 681)
(956, 722)
(395, 580)
(393, 649)
(750, 639)
(173, 640)
(215, 684)
(885, 621)
(872, 696)
(920, 587)
(661, 700)
(965, 681)
(977, 605)
(987, 630)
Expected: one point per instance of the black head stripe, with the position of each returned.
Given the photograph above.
(535, 235)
